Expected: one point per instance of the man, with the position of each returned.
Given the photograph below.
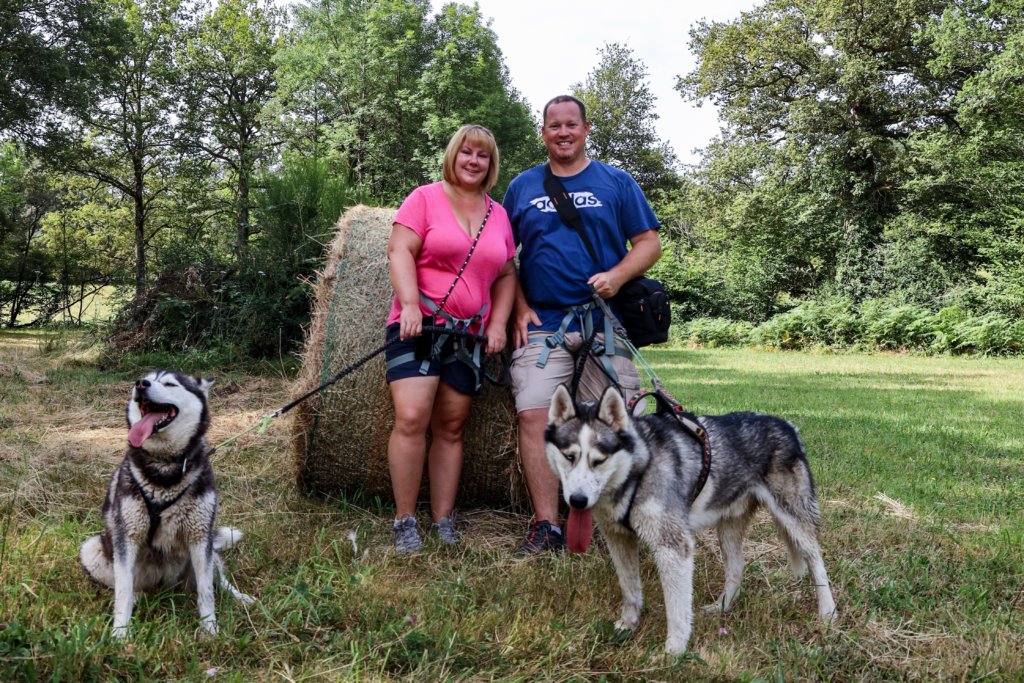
(554, 305)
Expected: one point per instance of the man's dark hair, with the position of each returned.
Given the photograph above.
(559, 100)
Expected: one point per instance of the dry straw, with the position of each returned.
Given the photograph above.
(340, 436)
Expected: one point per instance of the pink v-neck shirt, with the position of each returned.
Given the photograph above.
(427, 212)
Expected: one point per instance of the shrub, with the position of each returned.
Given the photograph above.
(831, 322)
(712, 332)
(893, 327)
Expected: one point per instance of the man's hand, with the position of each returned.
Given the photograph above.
(524, 315)
(605, 285)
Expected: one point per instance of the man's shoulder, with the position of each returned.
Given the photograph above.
(528, 174)
(525, 182)
(613, 172)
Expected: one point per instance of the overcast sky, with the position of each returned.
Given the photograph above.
(551, 44)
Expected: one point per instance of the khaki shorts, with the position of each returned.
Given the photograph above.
(532, 387)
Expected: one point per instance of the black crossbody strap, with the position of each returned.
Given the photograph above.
(567, 211)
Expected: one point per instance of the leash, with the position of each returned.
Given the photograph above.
(666, 402)
(347, 370)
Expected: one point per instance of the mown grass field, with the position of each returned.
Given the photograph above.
(919, 463)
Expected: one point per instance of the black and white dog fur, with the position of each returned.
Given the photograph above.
(635, 476)
(160, 506)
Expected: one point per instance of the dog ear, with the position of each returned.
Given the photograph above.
(204, 384)
(612, 410)
(562, 408)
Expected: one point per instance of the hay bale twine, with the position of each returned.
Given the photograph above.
(340, 436)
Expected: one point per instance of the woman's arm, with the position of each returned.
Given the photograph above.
(403, 248)
(503, 292)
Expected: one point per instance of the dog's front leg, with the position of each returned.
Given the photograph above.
(201, 553)
(625, 552)
(674, 557)
(125, 554)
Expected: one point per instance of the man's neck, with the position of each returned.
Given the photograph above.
(570, 169)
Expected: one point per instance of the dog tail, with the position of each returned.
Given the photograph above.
(95, 563)
(225, 537)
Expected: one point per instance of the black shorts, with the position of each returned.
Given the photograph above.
(448, 367)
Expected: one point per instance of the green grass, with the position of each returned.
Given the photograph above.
(918, 463)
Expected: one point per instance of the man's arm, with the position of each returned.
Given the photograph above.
(645, 250)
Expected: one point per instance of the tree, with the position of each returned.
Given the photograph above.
(53, 55)
(466, 81)
(377, 86)
(620, 107)
(25, 198)
(128, 140)
(824, 101)
(228, 80)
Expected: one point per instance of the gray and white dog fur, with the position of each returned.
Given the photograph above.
(636, 474)
(160, 507)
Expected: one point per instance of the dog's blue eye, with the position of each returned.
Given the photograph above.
(170, 384)
(569, 456)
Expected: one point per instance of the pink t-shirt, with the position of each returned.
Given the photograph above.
(426, 212)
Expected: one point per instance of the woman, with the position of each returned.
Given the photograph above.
(432, 384)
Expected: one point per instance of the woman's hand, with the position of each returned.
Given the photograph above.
(496, 339)
(410, 322)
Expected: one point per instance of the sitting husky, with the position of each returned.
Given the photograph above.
(636, 475)
(160, 507)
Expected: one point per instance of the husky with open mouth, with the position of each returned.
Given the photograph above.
(161, 503)
(635, 477)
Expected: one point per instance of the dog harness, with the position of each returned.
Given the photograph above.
(156, 508)
(689, 423)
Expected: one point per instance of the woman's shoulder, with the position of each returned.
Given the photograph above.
(498, 210)
(429, 190)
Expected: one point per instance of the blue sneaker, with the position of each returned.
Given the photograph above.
(407, 539)
(445, 529)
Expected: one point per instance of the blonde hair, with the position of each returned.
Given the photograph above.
(474, 135)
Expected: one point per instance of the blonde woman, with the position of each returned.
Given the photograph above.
(450, 256)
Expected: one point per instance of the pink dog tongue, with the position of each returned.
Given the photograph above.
(579, 529)
(141, 430)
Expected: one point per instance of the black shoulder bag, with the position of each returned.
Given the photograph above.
(642, 302)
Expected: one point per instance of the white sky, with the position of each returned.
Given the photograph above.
(551, 44)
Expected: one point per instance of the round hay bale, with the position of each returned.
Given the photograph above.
(340, 436)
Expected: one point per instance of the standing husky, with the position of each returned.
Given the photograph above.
(160, 507)
(636, 475)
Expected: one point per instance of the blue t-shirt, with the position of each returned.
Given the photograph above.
(554, 264)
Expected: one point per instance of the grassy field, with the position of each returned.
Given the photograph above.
(918, 464)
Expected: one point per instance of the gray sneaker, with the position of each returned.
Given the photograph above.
(407, 539)
(445, 529)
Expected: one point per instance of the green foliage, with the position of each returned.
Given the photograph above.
(711, 332)
(621, 109)
(257, 307)
(832, 322)
(876, 324)
(228, 79)
(380, 87)
(53, 53)
(862, 147)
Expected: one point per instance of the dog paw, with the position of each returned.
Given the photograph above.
(119, 632)
(713, 608)
(829, 617)
(245, 599)
(675, 646)
(625, 624)
(208, 628)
